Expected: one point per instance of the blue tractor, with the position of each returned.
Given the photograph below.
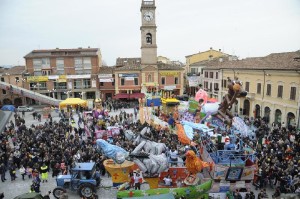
(83, 178)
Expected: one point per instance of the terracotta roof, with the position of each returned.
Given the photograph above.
(274, 61)
(63, 52)
(106, 70)
(162, 66)
(65, 49)
(127, 68)
(16, 70)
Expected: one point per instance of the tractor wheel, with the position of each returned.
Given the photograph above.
(58, 192)
(86, 190)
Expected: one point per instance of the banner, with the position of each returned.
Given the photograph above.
(220, 172)
(106, 80)
(129, 75)
(193, 81)
(169, 73)
(104, 75)
(93, 83)
(37, 79)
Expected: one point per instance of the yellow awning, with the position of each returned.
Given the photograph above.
(72, 102)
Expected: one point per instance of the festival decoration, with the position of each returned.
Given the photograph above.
(201, 94)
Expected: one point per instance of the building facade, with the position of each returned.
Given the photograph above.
(15, 76)
(194, 71)
(272, 83)
(106, 83)
(63, 73)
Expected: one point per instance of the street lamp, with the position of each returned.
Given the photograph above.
(53, 92)
(68, 93)
(81, 94)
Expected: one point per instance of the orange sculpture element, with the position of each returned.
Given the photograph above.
(181, 134)
(193, 163)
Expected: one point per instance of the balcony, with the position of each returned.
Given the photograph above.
(60, 87)
(193, 74)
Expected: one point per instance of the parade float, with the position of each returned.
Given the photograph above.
(214, 167)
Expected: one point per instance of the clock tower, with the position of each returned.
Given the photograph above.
(148, 33)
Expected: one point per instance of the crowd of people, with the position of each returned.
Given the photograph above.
(53, 147)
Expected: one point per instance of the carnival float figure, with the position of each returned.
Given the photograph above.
(235, 91)
(194, 165)
(149, 155)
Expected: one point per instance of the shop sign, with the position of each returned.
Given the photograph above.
(129, 78)
(78, 76)
(129, 75)
(37, 78)
(53, 77)
(106, 80)
(105, 76)
(62, 78)
(150, 84)
(169, 73)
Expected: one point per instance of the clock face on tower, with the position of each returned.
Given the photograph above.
(148, 16)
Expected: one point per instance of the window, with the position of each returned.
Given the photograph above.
(216, 86)
(101, 83)
(37, 73)
(37, 64)
(3, 92)
(86, 83)
(247, 86)
(149, 78)
(77, 84)
(211, 74)
(46, 72)
(258, 88)
(217, 75)
(280, 91)
(148, 38)
(136, 81)
(60, 66)
(163, 80)
(2, 79)
(293, 93)
(268, 90)
(224, 83)
(194, 70)
(205, 74)
(205, 84)
(210, 86)
(176, 80)
(45, 62)
(17, 79)
(122, 81)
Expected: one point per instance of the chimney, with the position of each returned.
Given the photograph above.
(80, 48)
(57, 48)
(219, 49)
(89, 47)
(210, 48)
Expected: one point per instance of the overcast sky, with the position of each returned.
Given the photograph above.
(245, 28)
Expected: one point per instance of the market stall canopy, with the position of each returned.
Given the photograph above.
(72, 102)
(8, 108)
(121, 96)
(137, 95)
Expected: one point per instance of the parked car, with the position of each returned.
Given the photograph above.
(25, 108)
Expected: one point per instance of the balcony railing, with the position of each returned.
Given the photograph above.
(193, 74)
(60, 87)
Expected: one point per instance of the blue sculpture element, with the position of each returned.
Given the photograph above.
(111, 151)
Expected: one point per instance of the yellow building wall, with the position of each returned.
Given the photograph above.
(275, 78)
